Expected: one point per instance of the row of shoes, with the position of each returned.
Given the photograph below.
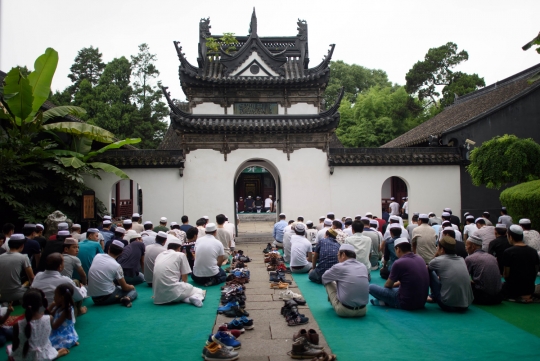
(233, 300)
(239, 256)
(306, 345)
(292, 316)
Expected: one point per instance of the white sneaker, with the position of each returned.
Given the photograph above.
(289, 295)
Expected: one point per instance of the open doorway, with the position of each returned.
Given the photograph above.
(126, 199)
(393, 187)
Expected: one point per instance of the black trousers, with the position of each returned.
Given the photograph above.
(484, 298)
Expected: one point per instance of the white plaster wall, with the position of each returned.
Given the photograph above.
(386, 189)
(163, 191)
(209, 181)
(357, 190)
(230, 110)
(254, 56)
(280, 109)
(208, 108)
(302, 108)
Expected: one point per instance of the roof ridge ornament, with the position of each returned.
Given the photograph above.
(253, 24)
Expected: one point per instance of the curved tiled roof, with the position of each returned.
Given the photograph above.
(395, 156)
(144, 158)
(234, 124)
(470, 108)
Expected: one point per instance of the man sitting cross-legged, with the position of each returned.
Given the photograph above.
(521, 264)
(450, 282)
(347, 284)
(170, 278)
(209, 255)
(12, 264)
(300, 250)
(407, 285)
(48, 280)
(152, 251)
(103, 272)
(132, 259)
(324, 256)
(484, 271)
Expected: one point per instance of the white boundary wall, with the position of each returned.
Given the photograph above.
(307, 188)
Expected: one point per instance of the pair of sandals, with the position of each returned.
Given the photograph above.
(279, 285)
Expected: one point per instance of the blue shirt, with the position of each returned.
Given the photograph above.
(278, 230)
(327, 250)
(87, 251)
(107, 236)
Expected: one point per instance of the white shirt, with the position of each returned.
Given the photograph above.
(268, 202)
(406, 207)
(47, 281)
(311, 235)
(322, 233)
(362, 247)
(231, 228)
(101, 275)
(404, 233)
(469, 229)
(170, 237)
(348, 231)
(207, 250)
(300, 247)
(170, 266)
(150, 255)
(394, 209)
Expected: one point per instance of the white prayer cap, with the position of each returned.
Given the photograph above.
(374, 223)
(127, 221)
(446, 222)
(470, 216)
(346, 247)
(120, 230)
(106, 222)
(147, 222)
(364, 219)
(112, 199)
(446, 214)
(107, 217)
(130, 236)
(480, 219)
(174, 224)
(162, 234)
(448, 210)
(282, 214)
(62, 226)
(206, 217)
(210, 227)
(431, 214)
(466, 214)
(163, 219)
(63, 233)
(76, 226)
(118, 243)
(524, 221)
(394, 218)
(330, 213)
(321, 217)
(92, 230)
(135, 215)
(369, 214)
(174, 240)
(448, 229)
(358, 216)
(327, 222)
(309, 222)
(423, 216)
(475, 239)
(17, 237)
(40, 226)
(500, 225)
(403, 198)
(392, 198)
(300, 227)
(400, 241)
(394, 225)
(514, 228)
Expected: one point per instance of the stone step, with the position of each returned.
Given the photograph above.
(254, 238)
(257, 217)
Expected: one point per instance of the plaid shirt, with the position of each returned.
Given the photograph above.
(327, 249)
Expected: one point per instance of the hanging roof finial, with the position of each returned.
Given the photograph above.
(253, 24)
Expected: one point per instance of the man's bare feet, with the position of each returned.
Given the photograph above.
(62, 352)
(429, 300)
(76, 344)
(83, 310)
(126, 301)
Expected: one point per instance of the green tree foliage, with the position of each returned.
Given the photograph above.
(530, 44)
(377, 116)
(123, 99)
(523, 201)
(355, 79)
(227, 40)
(504, 160)
(435, 71)
(41, 169)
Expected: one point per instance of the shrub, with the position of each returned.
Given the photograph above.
(523, 201)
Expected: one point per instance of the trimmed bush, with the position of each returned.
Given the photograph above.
(523, 201)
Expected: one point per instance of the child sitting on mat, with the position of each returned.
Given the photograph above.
(6, 333)
(63, 334)
(31, 335)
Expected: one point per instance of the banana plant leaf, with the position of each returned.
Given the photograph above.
(63, 152)
(41, 78)
(82, 129)
(18, 95)
(72, 162)
(62, 111)
(109, 169)
(81, 145)
(114, 145)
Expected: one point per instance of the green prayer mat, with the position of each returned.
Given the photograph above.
(481, 333)
(144, 331)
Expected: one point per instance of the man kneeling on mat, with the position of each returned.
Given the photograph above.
(347, 284)
(170, 278)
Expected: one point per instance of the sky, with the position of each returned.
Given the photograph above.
(390, 35)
